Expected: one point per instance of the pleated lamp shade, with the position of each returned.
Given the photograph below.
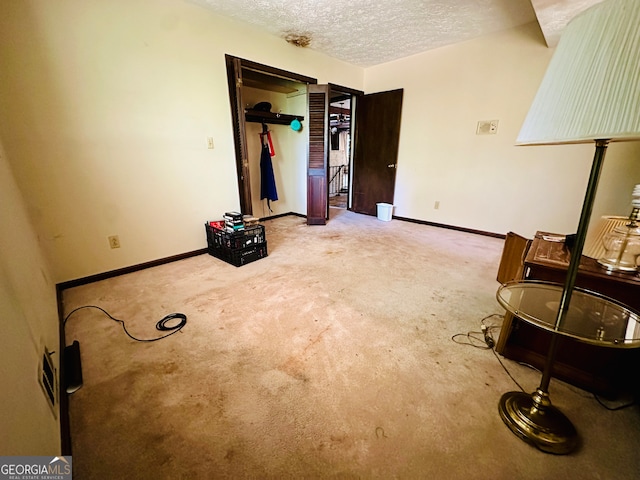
(591, 90)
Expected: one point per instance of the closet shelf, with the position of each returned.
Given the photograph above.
(260, 116)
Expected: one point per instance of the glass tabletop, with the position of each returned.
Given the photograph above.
(591, 318)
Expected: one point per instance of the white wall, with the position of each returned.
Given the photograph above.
(484, 182)
(105, 107)
(29, 319)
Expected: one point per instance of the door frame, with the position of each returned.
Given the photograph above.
(353, 94)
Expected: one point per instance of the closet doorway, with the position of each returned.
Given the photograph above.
(340, 149)
(266, 97)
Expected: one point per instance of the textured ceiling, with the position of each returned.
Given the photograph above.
(370, 32)
(553, 15)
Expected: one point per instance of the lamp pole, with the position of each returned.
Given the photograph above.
(532, 416)
(576, 254)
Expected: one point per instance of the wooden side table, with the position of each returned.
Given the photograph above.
(598, 369)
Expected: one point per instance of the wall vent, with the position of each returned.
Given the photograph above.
(48, 379)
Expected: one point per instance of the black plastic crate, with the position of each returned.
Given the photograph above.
(239, 256)
(217, 237)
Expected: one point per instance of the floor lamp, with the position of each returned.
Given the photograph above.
(590, 93)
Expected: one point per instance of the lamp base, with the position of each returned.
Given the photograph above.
(617, 266)
(532, 418)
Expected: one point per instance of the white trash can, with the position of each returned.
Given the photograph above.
(384, 211)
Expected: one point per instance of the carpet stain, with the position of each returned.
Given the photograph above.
(230, 454)
(170, 367)
(338, 440)
(316, 339)
(380, 433)
(275, 381)
(295, 364)
(295, 368)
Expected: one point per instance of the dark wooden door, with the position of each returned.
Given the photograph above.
(317, 188)
(375, 154)
(234, 76)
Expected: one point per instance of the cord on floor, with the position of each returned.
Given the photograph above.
(163, 325)
(487, 342)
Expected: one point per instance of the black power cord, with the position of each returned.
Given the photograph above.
(614, 409)
(164, 325)
(71, 354)
(488, 343)
(488, 339)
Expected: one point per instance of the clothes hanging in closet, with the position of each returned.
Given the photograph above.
(267, 179)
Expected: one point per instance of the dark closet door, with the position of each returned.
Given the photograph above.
(375, 154)
(234, 76)
(317, 188)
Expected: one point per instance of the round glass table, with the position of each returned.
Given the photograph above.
(591, 318)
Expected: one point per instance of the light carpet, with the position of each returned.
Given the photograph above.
(330, 358)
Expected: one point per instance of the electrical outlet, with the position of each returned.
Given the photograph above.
(436, 205)
(114, 241)
(210, 143)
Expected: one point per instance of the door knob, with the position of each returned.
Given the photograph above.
(391, 165)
